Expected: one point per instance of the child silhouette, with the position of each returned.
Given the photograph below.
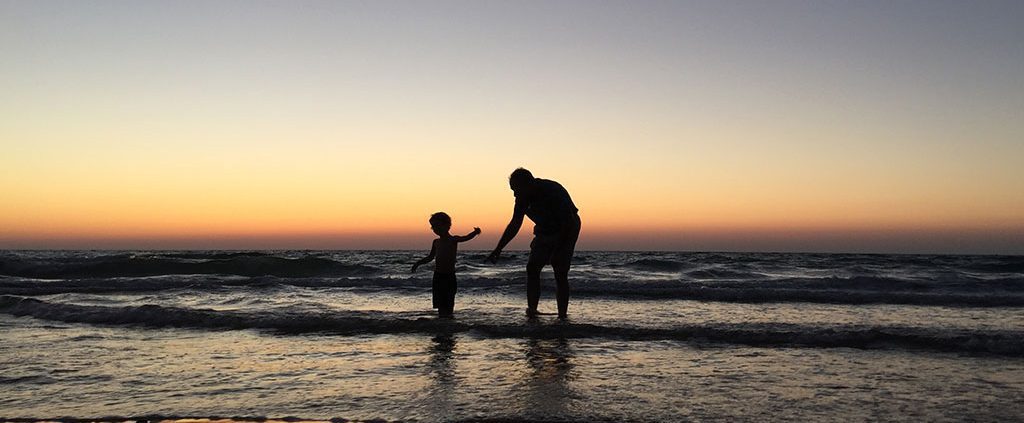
(444, 249)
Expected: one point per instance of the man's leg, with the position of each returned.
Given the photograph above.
(540, 255)
(532, 287)
(562, 288)
(561, 259)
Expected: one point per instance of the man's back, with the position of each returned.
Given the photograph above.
(547, 206)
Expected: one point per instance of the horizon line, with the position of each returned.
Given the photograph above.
(518, 250)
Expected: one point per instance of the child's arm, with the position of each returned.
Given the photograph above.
(428, 258)
(467, 237)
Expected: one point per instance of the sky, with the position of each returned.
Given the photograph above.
(829, 126)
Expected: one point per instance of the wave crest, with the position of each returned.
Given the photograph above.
(359, 322)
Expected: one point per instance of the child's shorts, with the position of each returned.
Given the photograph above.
(444, 287)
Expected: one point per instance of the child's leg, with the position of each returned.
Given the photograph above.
(450, 301)
(447, 296)
(436, 292)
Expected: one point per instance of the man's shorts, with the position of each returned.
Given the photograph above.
(555, 250)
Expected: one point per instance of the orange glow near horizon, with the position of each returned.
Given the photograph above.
(321, 202)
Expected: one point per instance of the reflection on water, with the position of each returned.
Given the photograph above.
(441, 363)
(534, 381)
(442, 368)
(548, 392)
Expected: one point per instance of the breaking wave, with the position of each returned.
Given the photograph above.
(856, 290)
(376, 322)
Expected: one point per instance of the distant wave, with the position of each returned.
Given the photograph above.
(656, 265)
(357, 322)
(1007, 265)
(719, 273)
(172, 418)
(830, 290)
(211, 283)
(129, 265)
(954, 281)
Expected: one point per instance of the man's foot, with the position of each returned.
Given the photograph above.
(563, 316)
(532, 313)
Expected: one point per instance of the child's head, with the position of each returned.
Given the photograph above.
(440, 223)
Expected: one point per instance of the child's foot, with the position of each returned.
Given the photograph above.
(532, 313)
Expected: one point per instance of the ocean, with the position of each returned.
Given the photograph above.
(651, 336)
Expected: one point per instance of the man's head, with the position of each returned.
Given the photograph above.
(521, 180)
(440, 223)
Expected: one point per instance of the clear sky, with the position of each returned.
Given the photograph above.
(877, 126)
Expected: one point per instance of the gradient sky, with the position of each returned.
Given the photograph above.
(888, 126)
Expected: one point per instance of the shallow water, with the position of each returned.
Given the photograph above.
(80, 370)
(87, 341)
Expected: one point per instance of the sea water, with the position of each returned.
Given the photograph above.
(652, 336)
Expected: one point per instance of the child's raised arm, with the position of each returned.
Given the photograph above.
(467, 237)
(428, 258)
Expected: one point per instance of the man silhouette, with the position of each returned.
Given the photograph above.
(556, 229)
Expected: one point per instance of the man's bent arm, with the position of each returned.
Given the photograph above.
(510, 232)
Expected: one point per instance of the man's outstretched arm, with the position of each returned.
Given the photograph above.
(510, 232)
